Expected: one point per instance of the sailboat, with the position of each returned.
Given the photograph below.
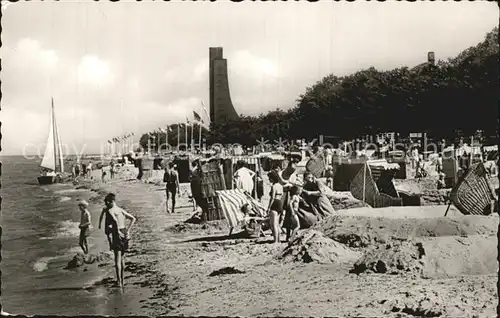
(52, 162)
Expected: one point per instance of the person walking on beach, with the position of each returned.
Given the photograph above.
(84, 171)
(120, 234)
(138, 164)
(171, 177)
(108, 222)
(85, 225)
(76, 171)
(89, 170)
(112, 169)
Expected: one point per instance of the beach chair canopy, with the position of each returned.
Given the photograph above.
(231, 201)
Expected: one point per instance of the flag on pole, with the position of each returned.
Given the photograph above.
(473, 193)
(188, 123)
(205, 110)
(110, 142)
(197, 117)
(161, 130)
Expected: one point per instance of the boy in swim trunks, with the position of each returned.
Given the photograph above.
(85, 225)
(108, 224)
(120, 234)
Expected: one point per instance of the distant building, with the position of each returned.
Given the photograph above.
(431, 61)
(221, 107)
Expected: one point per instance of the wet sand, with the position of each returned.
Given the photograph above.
(169, 269)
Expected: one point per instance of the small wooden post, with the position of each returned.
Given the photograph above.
(364, 182)
(447, 209)
(232, 174)
(256, 182)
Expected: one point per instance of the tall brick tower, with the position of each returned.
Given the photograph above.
(221, 107)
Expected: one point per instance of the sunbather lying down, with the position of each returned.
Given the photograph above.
(253, 226)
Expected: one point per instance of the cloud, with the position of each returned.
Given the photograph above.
(94, 71)
(29, 52)
(244, 62)
(188, 73)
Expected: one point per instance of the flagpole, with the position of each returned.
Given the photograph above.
(199, 133)
(178, 136)
(186, 137)
(166, 138)
(192, 138)
(132, 142)
(158, 143)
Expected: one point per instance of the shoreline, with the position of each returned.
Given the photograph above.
(170, 268)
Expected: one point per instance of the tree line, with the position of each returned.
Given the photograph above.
(458, 93)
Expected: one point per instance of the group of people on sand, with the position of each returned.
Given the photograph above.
(292, 204)
(115, 229)
(84, 170)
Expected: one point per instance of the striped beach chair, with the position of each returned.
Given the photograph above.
(230, 203)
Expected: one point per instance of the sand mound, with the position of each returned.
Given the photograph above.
(226, 271)
(392, 258)
(441, 257)
(345, 200)
(456, 256)
(80, 260)
(195, 219)
(425, 307)
(312, 246)
(209, 227)
(363, 231)
(401, 212)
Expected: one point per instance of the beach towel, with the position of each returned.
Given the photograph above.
(231, 201)
(244, 179)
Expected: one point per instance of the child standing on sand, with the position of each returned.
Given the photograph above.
(85, 225)
(293, 223)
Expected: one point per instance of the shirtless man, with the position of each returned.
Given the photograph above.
(171, 177)
(120, 234)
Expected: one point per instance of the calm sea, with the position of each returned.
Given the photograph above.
(39, 237)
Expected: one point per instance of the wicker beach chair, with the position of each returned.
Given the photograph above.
(473, 194)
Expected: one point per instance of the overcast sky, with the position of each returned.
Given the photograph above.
(114, 68)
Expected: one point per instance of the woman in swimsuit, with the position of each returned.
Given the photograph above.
(275, 208)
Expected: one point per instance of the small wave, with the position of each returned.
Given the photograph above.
(66, 229)
(77, 249)
(42, 264)
(64, 199)
(4, 313)
(66, 191)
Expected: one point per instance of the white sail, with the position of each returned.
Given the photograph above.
(48, 160)
(59, 146)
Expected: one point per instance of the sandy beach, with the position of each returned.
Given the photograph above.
(184, 269)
